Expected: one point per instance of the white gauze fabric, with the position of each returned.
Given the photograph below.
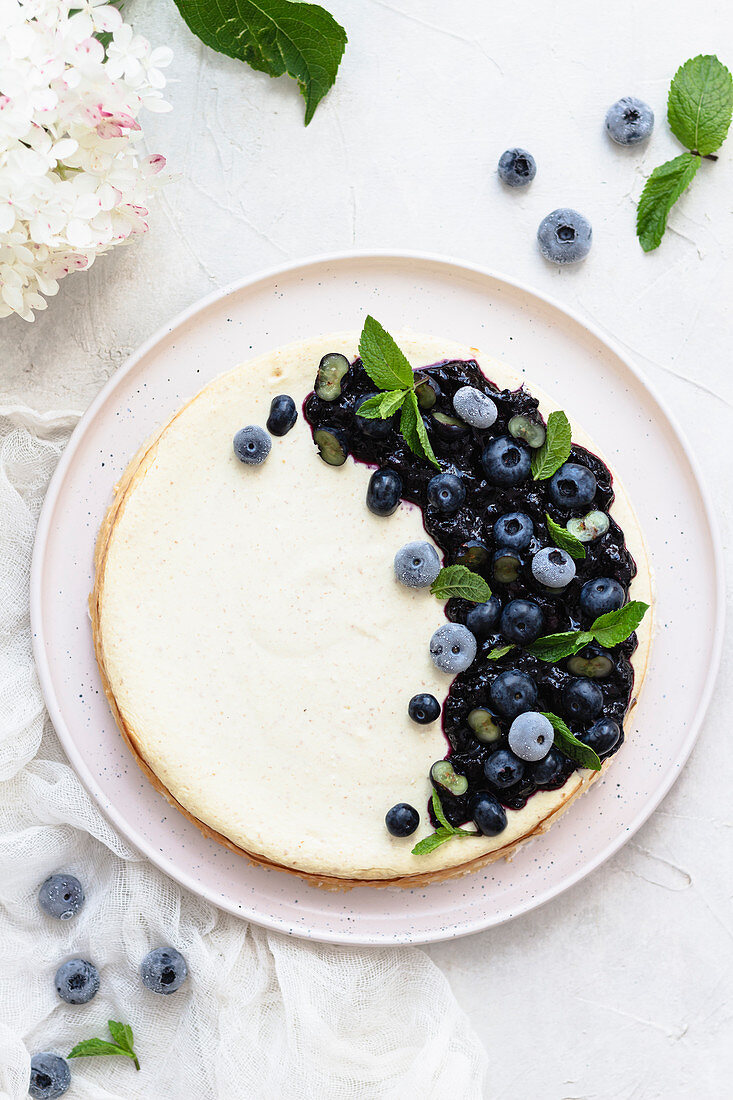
(262, 1015)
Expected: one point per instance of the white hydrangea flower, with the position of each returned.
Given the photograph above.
(74, 179)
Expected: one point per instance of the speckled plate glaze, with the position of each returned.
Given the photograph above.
(564, 356)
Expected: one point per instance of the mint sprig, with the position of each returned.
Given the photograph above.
(699, 111)
(123, 1044)
(444, 832)
(273, 37)
(548, 459)
(499, 651)
(562, 538)
(608, 630)
(389, 370)
(568, 744)
(459, 582)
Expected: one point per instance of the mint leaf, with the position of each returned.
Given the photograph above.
(553, 647)
(616, 626)
(438, 811)
(700, 104)
(382, 405)
(121, 1033)
(458, 582)
(569, 745)
(430, 843)
(274, 37)
(556, 448)
(661, 191)
(499, 651)
(413, 430)
(562, 538)
(382, 359)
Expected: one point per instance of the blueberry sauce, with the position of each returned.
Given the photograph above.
(458, 448)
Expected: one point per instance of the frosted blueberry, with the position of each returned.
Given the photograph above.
(564, 236)
(163, 970)
(474, 407)
(553, 567)
(61, 896)
(417, 564)
(531, 736)
(50, 1076)
(252, 445)
(77, 981)
(453, 648)
(629, 121)
(517, 167)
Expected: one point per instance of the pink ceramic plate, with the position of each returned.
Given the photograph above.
(564, 356)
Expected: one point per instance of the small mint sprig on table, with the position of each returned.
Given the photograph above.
(445, 832)
(389, 370)
(123, 1044)
(459, 582)
(568, 744)
(608, 630)
(699, 110)
(548, 458)
(562, 538)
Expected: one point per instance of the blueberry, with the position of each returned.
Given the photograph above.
(522, 622)
(473, 554)
(591, 661)
(573, 486)
(481, 620)
(484, 725)
(446, 492)
(402, 819)
(375, 429)
(50, 1076)
(531, 736)
(283, 415)
(601, 595)
(423, 709)
(553, 567)
(582, 699)
(551, 771)
(564, 236)
(427, 390)
(163, 970)
(515, 529)
(77, 981)
(447, 427)
(602, 735)
(505, 565)
(252, 445)
(489, 816)
(475, 407)
(332, 445)
(384, 492)
(513, 692)
(589, 528)
(529, 431)
(505, 462)
(503, 769)
(331, 369)
(453, 648)
(61, 896)
(417, 564)
(629, 121)
(444, 775)
(517, 167)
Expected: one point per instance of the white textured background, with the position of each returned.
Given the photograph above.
(620, 989)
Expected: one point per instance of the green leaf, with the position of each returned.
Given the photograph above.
(562, 538)
(382, 359)
(438, 811)
(382, 405)
(700, 104)
(556, 448)
(569, 745)
(553, 647)
(274, 37)
(499, 651)
(413, 431)
(121, 1033)
(431, 842)
(661, 191)
(616, 626)
(460, 583)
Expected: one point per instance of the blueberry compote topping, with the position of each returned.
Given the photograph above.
(474, 522)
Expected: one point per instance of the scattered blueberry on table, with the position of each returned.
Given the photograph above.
(50, 1076)
(629, 121)
(61, 896)
(517, 167)
(77, 981)
(564, 236)
(163, 970)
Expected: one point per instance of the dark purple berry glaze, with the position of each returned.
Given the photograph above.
(458, 450)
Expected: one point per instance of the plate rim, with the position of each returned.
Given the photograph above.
(163, 863)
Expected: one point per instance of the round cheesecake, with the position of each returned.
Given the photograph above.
(259, 653)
